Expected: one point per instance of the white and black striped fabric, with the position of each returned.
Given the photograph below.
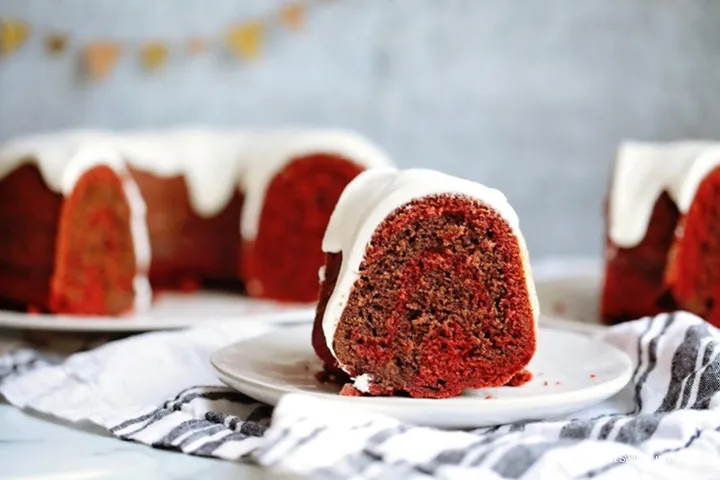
(158, 389)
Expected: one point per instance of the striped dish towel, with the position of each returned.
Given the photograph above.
(159, 389)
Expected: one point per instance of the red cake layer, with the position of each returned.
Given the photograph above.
(441, 303)
(282, 262)
(634, 284)
(188, 250)
(693, 269)
(28, 230)
(95, 260)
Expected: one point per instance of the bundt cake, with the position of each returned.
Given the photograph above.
(662, 232)
(94, 221)
(426, 288)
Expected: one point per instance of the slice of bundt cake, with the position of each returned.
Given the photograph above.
(292, 181)
(75, 239)
(663, 232)
(426, 289)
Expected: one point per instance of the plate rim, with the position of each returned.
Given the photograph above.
(275, 313)
(560, 398)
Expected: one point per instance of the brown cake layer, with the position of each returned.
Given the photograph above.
(29, 213)
(188, 250)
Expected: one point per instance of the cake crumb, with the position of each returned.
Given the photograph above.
(558, 383)
(592, 375)
(559, 308)
(488, 396)
(519, 379)
(349, 391)
(545, 383)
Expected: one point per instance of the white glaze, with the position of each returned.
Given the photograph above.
(374, 195)
(209, 161)
(268, 152)
(51, 153)
(362, 383)
(214, 163)
(643, 171)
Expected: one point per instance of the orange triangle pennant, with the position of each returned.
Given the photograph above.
(100, 58)
(13, 34)
(246, 40)
(154, 55)
(293, 15)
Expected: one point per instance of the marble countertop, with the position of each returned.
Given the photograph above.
(36, 448)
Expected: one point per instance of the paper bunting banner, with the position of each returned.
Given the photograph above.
(293, 15)
(55, 43)
(154, 55)
(13, 34)
(246, 40)
(100, 58)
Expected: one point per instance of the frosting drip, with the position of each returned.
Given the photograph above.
(362, 383)
(375, 194)
(209, 161)
(214, 164)
(643, 171)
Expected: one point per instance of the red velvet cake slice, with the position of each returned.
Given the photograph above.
(88, 253)
(292, 181)
(426, 289)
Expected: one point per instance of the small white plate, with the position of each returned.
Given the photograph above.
(171, 311)
(571, 371)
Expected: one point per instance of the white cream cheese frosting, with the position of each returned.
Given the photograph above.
(215, 164)
(374, 195)
(208, 160)
(643, 171)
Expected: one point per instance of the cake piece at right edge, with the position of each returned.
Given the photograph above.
(427, 288)
(663, 232)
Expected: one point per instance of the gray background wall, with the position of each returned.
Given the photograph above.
(530, 97)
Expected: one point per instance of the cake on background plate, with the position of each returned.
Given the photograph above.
(94, 221)
(663, 232)
(427, 288)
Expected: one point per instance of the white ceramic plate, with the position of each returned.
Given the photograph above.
(569, 293)
(571, 371)
(171, 310)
